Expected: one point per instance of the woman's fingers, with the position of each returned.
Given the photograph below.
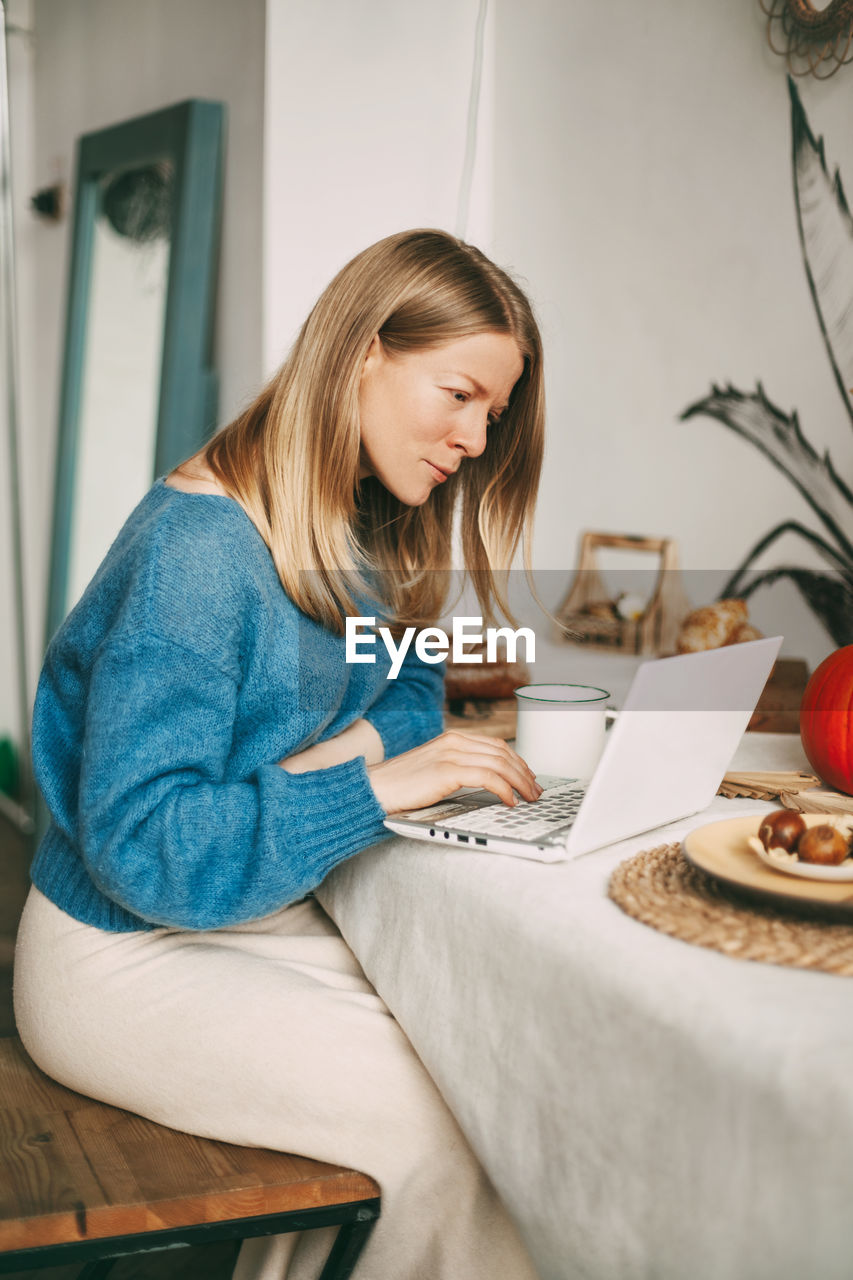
(484, 746)
(513, 771)
(486, 779)
(495, 746)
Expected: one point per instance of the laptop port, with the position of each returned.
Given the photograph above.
(462, 839)
(479, 839)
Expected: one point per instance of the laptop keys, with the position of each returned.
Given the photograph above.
(528, 821)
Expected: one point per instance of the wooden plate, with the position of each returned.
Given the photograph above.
(721, 850)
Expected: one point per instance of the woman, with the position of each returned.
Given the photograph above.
(208, 756)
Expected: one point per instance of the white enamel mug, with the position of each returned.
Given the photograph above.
(561, 728)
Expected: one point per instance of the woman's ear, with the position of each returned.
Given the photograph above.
(375, 353)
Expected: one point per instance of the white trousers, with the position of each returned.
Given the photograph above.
(267, 1034)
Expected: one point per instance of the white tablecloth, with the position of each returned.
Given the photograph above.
(647, 1108)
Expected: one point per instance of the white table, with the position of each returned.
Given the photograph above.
(647, 1108)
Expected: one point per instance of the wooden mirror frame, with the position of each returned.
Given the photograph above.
(189, 137)
(814, 37)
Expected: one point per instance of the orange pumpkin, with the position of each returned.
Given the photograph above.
(826, 720)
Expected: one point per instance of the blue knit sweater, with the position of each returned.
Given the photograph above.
(167, 696)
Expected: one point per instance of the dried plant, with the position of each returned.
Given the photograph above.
(826, 238)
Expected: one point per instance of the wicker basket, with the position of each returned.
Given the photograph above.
(586, 616)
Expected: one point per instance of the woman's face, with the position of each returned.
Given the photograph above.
(425, 412)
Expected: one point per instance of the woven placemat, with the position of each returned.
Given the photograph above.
(662, 889)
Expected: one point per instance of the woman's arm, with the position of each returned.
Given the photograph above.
(168, 835)
(163, 829)
(360, 739)
(410, 710)
(436, 765)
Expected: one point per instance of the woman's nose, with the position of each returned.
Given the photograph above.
(470, 436)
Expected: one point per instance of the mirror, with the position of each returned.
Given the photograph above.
(138, 390)
(121, 363)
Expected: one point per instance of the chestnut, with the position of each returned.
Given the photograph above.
(781, 830)
(825, 845)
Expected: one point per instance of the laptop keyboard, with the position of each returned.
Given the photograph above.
(527, 821)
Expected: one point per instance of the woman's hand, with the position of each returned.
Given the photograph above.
(429, 773)
(360, 739)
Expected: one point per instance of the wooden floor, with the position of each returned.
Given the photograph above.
(14, 882)
(208, 1262)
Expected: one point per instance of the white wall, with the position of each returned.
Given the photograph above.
(366, 108)
(643, 186)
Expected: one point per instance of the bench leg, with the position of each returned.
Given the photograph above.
(97, 1270)
(347, 1248)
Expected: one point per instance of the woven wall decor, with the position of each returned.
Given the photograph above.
(814, 39)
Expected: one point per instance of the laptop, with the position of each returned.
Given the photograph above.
(664, 758)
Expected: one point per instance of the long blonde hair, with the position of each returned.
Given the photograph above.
(292, 457)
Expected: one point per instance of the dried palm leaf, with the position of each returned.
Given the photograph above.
(817, 801)
(826, 235)
(778, 436)
(829, 598)
(766, 785)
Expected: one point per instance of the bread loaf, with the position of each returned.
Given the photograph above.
(746, 632)
(712, 626)
(484, 679)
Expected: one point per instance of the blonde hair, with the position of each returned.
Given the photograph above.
(292, 457)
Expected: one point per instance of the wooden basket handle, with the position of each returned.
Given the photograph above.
(664, 547)
(624, 541)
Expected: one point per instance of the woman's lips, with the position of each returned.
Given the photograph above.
(440, 475)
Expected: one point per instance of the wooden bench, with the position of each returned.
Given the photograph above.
(85, 1182)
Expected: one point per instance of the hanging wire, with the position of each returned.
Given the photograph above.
(471, 130)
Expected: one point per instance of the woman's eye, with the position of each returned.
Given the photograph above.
(461, 396)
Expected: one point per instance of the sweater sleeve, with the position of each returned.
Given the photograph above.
(165, 834)
(410, 708)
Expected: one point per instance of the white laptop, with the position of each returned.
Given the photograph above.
(664, 758)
